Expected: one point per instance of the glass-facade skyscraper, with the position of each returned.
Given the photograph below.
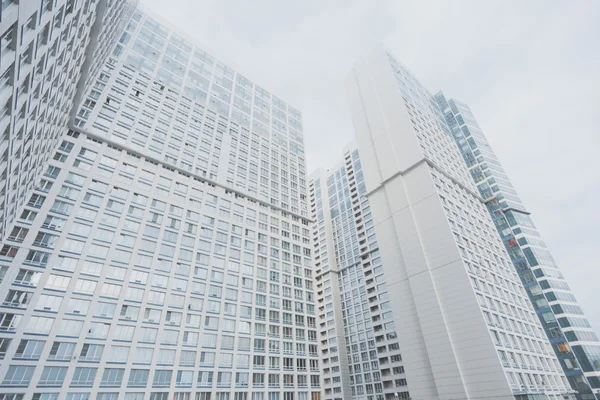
(165, 251)
(361, 356)
(466, 328)
(574, 342)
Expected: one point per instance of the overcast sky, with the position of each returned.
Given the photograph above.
(530, 72)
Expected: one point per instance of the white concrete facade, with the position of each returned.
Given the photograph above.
(360, 352)
(332, 346)
(453, 289)
(165, 252)
(45, 45)
(575, 343)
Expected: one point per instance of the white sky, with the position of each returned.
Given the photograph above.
(530, 71)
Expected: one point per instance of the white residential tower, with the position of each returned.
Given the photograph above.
(466, 327)
(165, 252)
(359, 345)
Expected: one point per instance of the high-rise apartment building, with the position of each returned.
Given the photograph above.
(111, 18)
(43, 50)
(166, 251)
(560, 315)
(466, 327)
(361, 357)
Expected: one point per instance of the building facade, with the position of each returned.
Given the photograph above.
(360, 352)
(42, 57)
(574, 342)
(165, 252)
(465, 325)
(111, 18)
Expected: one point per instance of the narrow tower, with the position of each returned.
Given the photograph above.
(575, 343)
(359, 343)
(466, 327)
(165, 253)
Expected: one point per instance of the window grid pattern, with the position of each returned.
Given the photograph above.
(144, 278)
(523, 349)
(560, 315)
(143, 281)
(212, 121)
(370, 367)
(42, 57)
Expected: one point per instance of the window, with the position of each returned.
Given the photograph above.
(37, 258)
(28, 215)
(89, 268)
(84, 286)
(205, 378)
(110, 290)
(61, 351)
(207, 359)
(92, 352)
(4, 345)
(52, 172)
(74, 246)
(190, 338)
(98, 330)
(148, 335)
(18, 234)
(211, 323)
(215, 291)
(10, 322)
(259, 361)
(187, 358)
(112, 377)
(125, 333)
(69, 328)
(107, 310)
(241, 379)
(152, 315)
(29, 349)
(209, 340)
(52, 376)
(143, 355)
(92, 199)
(273, 380)
(129, 312)
(98, 186)
(83, 377)
(75, 179)
(68, 193)
(10, 251)
(224, 379)
(184, 378)
(138, 378)
(27, 277)
(162, 378)
(170, 336)
(18, 375)
(225, 359)
(107, 396)
(258, 379)
(45, 396)
(138, 277)
(58, 282)
(54, 223)
(115, 206)
(314, 380)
